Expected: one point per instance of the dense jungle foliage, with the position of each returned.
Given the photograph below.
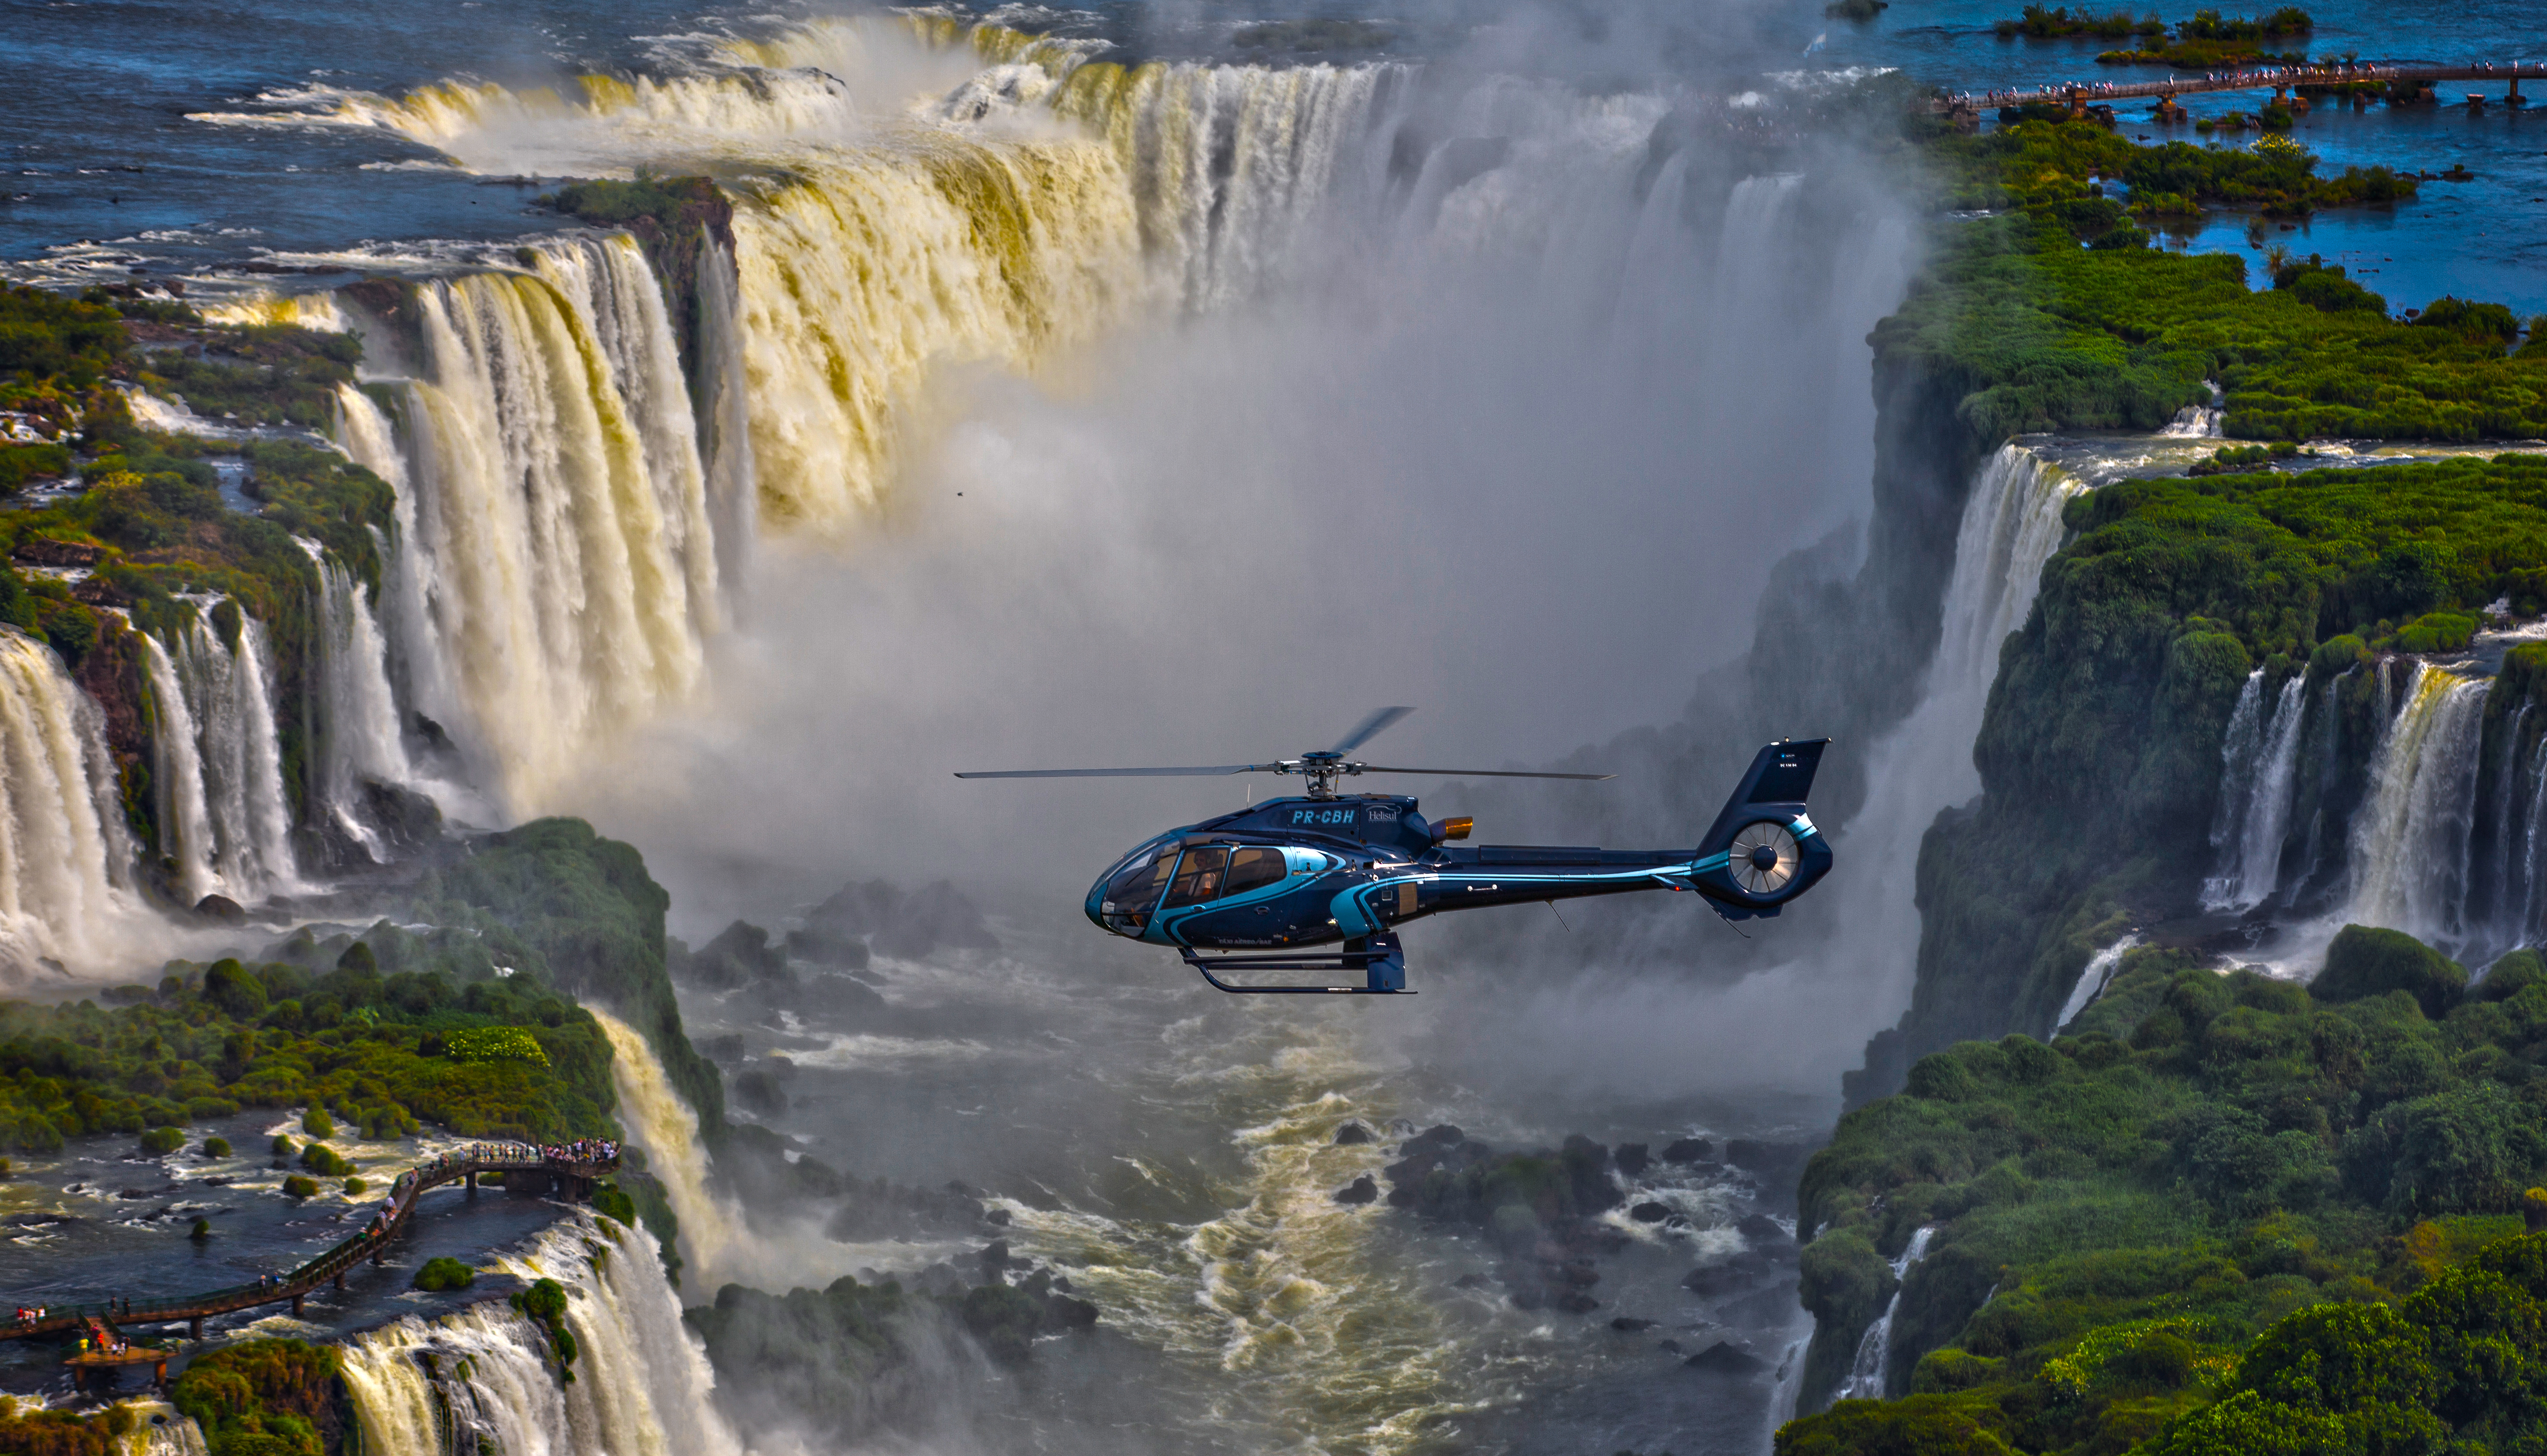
(468, 1026)
(2219, 1205)
(266, 1398)
(2056, 313)
(2100, 749)
(2206, 40)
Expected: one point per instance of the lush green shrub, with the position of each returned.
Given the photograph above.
(297, 1186)
(356, 1187)
(440, 1275)
(265, 1397)
(160, 1140)
(317, 1124)
(2365, 961)
(493, 1043)
(216, 1146)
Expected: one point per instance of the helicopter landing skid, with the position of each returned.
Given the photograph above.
(1377, 957)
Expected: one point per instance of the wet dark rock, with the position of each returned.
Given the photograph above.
(1761, 1226)
(1531, 1298)
(817, 946)
(758, 1090)
(1352, 1134)
(1724, 1357)
(903, 925)
(1631, 1159)
(220, 907)
(996, 1218)
(1061, 1312)
(1630, 1324)
(1471, 1281)
(1772, 1163)
(740, 956)
(727, 1050)
(938, 1280)
(1575, 1302)
(1436, 1139)
(1740, 1273)
(1061, 1282)
(1361, 1191)
(1669, 1347)
(1649, 1213)
(994, 1258)
(1690, 1149)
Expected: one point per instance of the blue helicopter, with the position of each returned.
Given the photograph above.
(1265, 884)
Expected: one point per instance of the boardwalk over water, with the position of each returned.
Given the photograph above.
(2280, 80)
(570, 1173)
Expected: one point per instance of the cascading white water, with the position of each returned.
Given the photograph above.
(667, 1129)
(359, 737)
(2092, 981)
(224, 800)
(559, 567)
(1866, 1377)
(484, 1379)
(63, 852)
(2011, 525)
(2259, 761)
(2410, 838)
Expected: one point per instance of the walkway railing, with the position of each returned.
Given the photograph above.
(2281, 80)
(574, 1170)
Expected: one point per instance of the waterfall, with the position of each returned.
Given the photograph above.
(2411, 837)
(552, 513)
(62, 846)
(2533, 830)
(359, 737)
(1866, 1380)
(2011, 525)
(660, 1122)
(481, 1380)
(2505, 905)
(223, 818)
(2092, 981)
(185, 817)
(2259, 762)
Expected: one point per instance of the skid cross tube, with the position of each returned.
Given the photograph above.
(1376, 956)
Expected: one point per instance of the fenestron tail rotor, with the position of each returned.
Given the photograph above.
(1763, 858)
(1321, 769)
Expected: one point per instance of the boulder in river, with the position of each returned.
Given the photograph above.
(1690, 1149)
(1724, 1357)
(1761, 1228)
(1631, 1158)
(1352, 1134)
(1649, 1212)
(1630, 1324)
(1359, 1191)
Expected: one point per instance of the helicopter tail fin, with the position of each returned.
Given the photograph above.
(1774, 787)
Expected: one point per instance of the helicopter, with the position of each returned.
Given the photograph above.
(1266, 886)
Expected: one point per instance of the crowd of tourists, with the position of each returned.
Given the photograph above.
(2281, 77)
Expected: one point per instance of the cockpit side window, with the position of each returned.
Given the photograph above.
(1136, 888)
(1252, 868)
(1199, 875)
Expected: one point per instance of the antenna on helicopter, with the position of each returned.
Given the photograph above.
(1321, 768)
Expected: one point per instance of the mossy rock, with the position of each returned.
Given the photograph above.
(216, 1146)
(160, 1140)
(298, 1186)
(441, 1275)
(2365, 962)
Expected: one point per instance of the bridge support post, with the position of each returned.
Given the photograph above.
(195, 1327)
(296, 1306)
(340, 1282)
(2515, 98)
(473, 1180)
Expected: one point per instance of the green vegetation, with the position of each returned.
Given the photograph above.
(441, 1275)
(672, 218)
(315, 1121)
(2051, 22)
(216, 1146)
(160, 1140)
(2209, 41)
(266, 1398)
(2020, 328)
(298, 1186)
(32, 1431)
(544, 1303)
(2100, 749)
(494, 1044)
(2209, 1172)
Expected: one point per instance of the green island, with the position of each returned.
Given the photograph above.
(2220, 1214)
(2205, 41)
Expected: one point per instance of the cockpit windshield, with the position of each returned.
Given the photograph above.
(1133, 890)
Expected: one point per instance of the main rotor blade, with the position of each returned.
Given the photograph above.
(1481, 773)
(1214, 770)
(1369, 730)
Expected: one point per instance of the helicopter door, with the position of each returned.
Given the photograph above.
(1254, 868)
(1199, 875)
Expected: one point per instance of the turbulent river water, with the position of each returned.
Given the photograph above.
(1113, 396)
